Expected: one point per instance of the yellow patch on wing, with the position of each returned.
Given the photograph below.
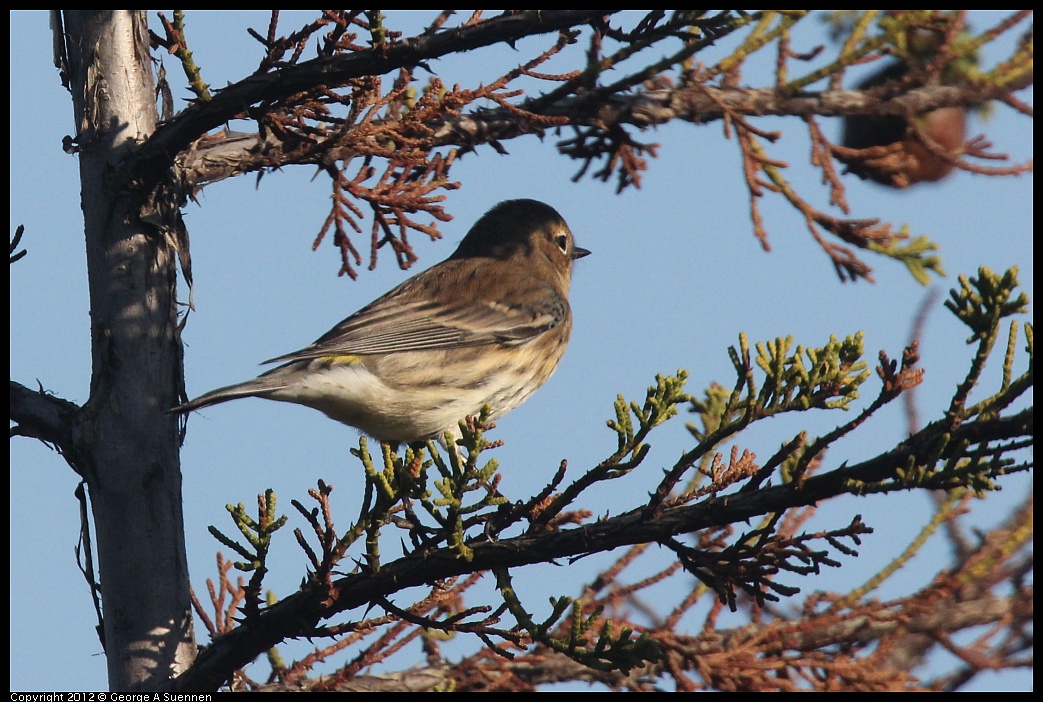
(342, 360)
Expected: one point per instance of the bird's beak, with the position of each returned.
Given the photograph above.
(577, 252)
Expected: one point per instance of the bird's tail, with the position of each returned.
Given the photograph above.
(258, 387)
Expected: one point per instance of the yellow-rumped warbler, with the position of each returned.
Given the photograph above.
(488, 325)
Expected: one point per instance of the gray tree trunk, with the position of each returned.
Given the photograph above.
(130, 446)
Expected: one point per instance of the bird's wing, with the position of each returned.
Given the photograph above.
(391, 324)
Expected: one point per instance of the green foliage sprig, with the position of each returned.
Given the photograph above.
(258, 534)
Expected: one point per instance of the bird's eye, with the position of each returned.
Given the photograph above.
(563, 243)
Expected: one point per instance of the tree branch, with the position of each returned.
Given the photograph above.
(39, 415)
(297, 614)
(230, 154)
(177, 135)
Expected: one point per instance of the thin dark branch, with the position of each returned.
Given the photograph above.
(15, 240)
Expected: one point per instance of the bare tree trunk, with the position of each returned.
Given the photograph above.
(130, 446)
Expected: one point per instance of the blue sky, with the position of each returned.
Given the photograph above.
(676, 274)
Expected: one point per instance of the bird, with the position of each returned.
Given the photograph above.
(903, 159)
(486, 326)
(891, 148)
